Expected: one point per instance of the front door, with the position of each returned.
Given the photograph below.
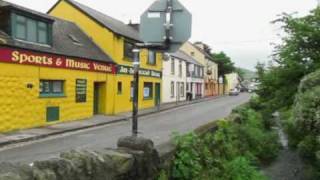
(157, 94)
(96, 98)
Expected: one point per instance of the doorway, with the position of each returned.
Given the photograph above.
(99, 98)
(157, 94)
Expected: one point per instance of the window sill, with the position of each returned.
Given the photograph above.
(52, 96)
(147, 98)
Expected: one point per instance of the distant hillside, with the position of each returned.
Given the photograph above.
(247, 74)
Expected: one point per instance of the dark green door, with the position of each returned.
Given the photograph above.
(96, 98)
(157, 94)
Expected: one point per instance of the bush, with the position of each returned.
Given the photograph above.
(229, 152)
(240, 169)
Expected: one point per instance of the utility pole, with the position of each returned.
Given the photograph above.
(136, 65)
(155, 22)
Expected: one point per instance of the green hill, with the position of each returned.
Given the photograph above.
(247, 74)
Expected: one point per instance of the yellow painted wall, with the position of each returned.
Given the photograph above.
(189, 49)
(21, 107)
(113, 45)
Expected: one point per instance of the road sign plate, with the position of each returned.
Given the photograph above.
(153, 20)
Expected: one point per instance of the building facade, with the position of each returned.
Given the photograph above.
(233, 81)
(194, 52)
(174, 78)
(117, 39)
(51, 71)
(211, 72)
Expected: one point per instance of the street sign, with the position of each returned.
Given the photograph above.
(166, 22)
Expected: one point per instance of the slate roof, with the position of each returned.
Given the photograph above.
(183, 56)
(114, 25)
(62, 42)
(5, 4)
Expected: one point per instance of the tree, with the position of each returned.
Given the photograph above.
(297, 56)
(224, 62)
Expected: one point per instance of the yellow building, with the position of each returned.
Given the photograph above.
(117, 39)
(51, 71)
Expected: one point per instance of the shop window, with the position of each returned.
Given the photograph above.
(30, 29)
(148, 90)
(51, 88)
(81, 90)
(128, 50)
(172, 89)
(119, 87)
(152, 57)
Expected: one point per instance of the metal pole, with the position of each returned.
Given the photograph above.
(135, 101)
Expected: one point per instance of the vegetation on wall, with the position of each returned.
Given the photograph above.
(233, 151)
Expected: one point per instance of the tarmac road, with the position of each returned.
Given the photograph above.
(159, 127)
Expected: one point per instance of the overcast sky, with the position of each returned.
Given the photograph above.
(241, 28)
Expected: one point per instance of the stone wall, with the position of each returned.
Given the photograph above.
(134, 159)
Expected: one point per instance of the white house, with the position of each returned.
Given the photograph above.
(174, 77)
(182, 78)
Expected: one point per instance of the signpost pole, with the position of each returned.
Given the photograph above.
(135, 101)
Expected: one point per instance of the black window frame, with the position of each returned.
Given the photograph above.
(128, 50)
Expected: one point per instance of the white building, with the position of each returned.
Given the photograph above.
(182, 78)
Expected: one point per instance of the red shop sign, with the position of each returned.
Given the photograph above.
(47, 60)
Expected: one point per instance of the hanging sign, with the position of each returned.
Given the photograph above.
(142, 72)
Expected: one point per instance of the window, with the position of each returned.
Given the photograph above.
(172, 89)
(196, 71)
(188, 69)
(148, 90)
(128, 50)
(30, 30)
(182, 89)
(51, 88)
(81, 90)
(172, 66)
(187, 86)
(152, 57)
(119, 87)
(180, 68)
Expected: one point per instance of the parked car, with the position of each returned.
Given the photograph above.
(234, 92)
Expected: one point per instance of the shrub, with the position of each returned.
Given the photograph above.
(240, 169)
(229, 152)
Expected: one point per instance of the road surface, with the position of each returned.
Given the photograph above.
(159, 127)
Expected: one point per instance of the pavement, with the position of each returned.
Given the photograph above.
(103, 131)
